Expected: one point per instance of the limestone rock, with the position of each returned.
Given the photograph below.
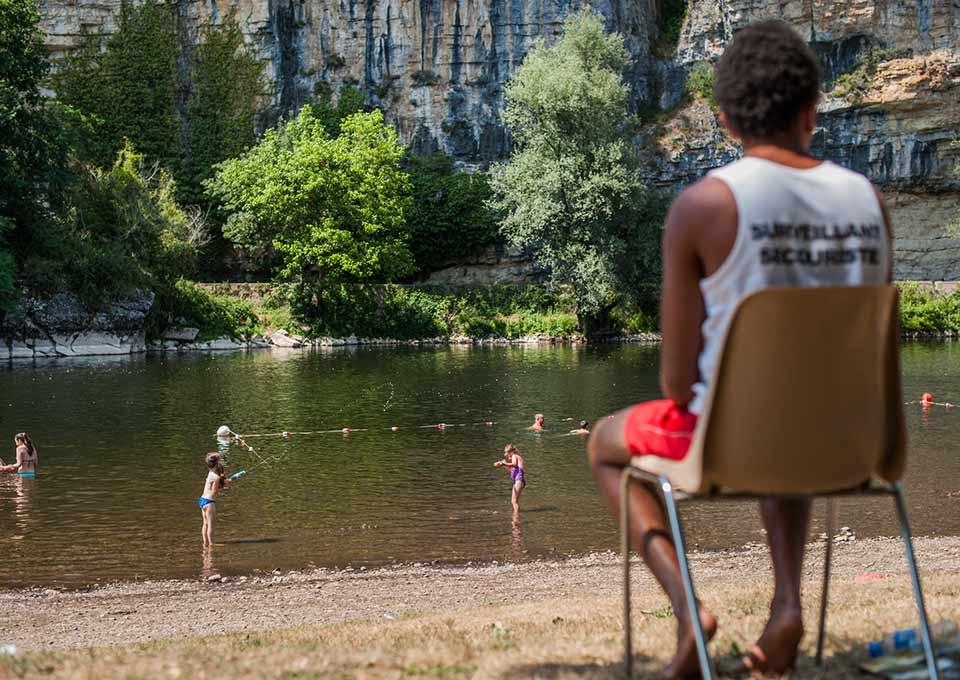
(281, 339)
(186, 334)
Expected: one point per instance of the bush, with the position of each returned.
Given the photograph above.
(928, 312)
(126, 231)
(408, 313)
(700, 83)
(187, 304)
(449, 217)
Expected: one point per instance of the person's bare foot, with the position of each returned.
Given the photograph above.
(685, 661)
(776, 650)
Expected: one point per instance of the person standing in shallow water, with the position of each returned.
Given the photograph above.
(777, 217)
(537, 423)
(517, 466)
(216, 481)
(27, 459)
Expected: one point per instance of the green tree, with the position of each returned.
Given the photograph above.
(226, 88)
(333, 208)
(571, 192)
(127, 231)
(450, 216)
(349, 102)
(33, 148)
(128, 84)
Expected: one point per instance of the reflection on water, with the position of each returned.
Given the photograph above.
(123, 441)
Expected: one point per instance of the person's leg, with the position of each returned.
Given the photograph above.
(211, 510)
(786, 522)
(203, 527)
(649, 533)
(515, 496)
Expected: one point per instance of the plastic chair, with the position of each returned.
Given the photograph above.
(805, 402)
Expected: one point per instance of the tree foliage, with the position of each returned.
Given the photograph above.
(127, 84)
(333, 208)
(349, 101)
(33, 147)
(127, 230)
(450, 216)
(571, 191)
(227, 85)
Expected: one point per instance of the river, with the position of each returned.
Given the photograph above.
(122, 443)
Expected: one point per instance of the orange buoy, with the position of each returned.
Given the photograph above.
(345, 430)
(440, 426)
(489, 423)
(287, 434)
(927, 398)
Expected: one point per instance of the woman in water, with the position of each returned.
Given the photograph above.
(27, 461)
(216, 480)
(513, 460)
(583, 429)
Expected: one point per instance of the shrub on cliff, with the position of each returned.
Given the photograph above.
(450, 216)
(572, 192)
(334, 209)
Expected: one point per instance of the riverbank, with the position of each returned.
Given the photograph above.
(556, 619)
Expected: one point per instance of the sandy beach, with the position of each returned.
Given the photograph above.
(540, 619)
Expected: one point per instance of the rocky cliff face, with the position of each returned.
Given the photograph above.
(437, 68)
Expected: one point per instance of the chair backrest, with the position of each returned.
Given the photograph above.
(806, 397)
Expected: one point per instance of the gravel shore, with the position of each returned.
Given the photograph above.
(137, 612)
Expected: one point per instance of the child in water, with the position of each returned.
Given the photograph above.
(27, 460)
(583, 429)
(513, 460)
(216, 480)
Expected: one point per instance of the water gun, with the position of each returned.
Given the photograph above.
(237, 475)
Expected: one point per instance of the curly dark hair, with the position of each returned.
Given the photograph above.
(765, 77)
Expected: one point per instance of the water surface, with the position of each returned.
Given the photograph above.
(122, 443)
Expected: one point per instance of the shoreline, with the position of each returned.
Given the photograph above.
(126, 346)
(134, 612)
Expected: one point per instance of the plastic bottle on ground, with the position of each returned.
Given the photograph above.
(909, 639)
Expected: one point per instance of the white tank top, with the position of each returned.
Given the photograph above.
(817, 227)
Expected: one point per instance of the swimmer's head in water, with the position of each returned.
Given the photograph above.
(538, 418)
(766, 78)
(584, 425)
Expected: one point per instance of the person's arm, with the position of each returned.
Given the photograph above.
(14, 466)
(681, 304)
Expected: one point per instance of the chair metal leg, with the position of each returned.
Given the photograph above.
(825, 591)
(928, 649)
(706, 669)
(625, 550)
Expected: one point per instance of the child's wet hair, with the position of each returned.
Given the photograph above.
(509, 448)
(24, 439)
(213, 459)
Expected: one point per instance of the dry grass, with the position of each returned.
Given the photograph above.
(564, 635)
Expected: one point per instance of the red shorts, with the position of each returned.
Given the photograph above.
(660, 428)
